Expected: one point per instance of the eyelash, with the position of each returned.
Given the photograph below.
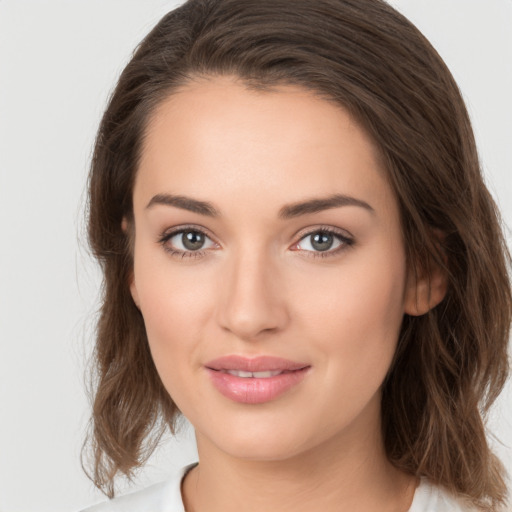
(346, 242)
(177, 253)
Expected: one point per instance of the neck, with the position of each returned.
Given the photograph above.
(347, 472)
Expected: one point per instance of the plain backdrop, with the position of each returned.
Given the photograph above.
(58, 62)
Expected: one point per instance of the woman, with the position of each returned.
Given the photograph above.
(300, 256)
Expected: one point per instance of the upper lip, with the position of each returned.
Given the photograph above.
(254, 364)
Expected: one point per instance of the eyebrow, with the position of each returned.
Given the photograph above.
(185, 203)
(320, 204)
(290, 211)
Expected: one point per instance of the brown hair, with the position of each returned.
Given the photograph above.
(451, 363)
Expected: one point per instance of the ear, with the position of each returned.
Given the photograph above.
(133, 291)
(125, 226)
(424, 292)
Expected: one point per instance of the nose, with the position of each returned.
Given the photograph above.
(252, 299)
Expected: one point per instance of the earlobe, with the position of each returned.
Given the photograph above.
(424, 292)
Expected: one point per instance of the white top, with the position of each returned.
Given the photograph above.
(166, 497)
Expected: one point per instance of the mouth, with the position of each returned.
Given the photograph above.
(255, 380)
(254, 375)
(253, 365)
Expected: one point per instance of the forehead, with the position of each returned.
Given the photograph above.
(215, 135)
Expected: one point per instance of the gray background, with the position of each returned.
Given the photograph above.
(58, 63)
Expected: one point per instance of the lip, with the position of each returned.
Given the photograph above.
(254, 390)
(254, 364)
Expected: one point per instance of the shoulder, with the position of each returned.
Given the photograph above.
(150, 499)
(161, 497)
(429, 497)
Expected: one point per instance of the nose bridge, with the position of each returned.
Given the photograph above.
(252, 300)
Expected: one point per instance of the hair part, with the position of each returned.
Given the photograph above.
(452, 362)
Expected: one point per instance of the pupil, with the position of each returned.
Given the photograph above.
(192, 240)
(322, 241)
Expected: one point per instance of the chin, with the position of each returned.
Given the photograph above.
(260, 439)
(262, 450)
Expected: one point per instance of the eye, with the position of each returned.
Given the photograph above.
(323, 241)
(187, 241)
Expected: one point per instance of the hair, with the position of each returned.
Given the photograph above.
(451, 363)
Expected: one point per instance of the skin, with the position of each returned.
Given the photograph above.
(258, 287)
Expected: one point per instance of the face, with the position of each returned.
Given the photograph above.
(268, 266)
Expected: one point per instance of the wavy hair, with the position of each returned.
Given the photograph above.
(451, 363)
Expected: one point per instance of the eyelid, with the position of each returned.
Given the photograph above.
(166, 233)
(323, 227)
(347, 240)
(169, 233)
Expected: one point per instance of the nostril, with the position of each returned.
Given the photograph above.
(250, 302)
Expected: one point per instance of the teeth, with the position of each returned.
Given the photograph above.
(257, 375)
(265, 375)
(239, 373)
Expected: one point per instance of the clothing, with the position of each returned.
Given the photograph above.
(166, 497)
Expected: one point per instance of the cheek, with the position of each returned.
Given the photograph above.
(175, 304)
(174, 314)
(355, 312)
(353, 320)
(367, 284)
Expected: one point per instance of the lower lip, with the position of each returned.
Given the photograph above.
(253, 390)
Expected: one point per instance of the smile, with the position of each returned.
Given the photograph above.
(253, 375)
(255, 380)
